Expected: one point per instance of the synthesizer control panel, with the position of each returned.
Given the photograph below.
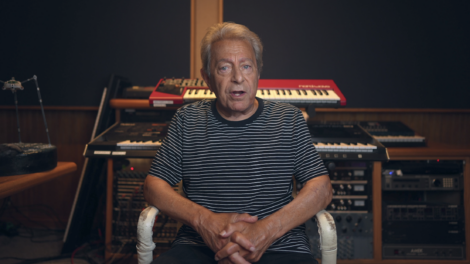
(352, 186)
(351, 208)
(422, 210)
(128, 203)
(354, 235)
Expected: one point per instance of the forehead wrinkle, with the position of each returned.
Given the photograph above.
(231, 60)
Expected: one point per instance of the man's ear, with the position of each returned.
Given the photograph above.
(206, 78)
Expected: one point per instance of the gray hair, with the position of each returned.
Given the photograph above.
(230, 30)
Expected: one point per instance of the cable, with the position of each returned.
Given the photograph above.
(75, 251)
(161, 226)
(115, 254)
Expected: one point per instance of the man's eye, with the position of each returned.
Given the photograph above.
(246, 67)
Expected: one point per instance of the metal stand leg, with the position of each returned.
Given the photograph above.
(17, 116)
(42, 109)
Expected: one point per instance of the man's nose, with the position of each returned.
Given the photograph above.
(237, 76)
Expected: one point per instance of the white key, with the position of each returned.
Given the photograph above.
(189, 95)
(198, 94)
(303, 96)
(297, 96)
(276, 95)
(290, 98)
(315, 97)
(330, 96)
(320, 146)
(205, 94)
(212, 95)
(127, 144)
(282, 96)
(333, 96)
(263, 94)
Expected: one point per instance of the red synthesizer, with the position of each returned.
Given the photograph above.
(301, 93)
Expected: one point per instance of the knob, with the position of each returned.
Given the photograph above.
(341, 202)
(348, 218)
(333, 206)
(331, 165)
(344, 229)
(338, 218)
(437, 182)
(349, 187)
(341, 187)
(333, 191)
(349, 202)
(359, 219)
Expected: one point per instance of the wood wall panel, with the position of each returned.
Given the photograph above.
(204, 14)
(71, 129)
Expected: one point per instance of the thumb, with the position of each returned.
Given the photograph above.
(245, 218)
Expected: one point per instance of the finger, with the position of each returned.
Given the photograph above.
(227, 250)
(243, 241)
(225, 261)
(230, 229)
(237, 259)
(245, 218)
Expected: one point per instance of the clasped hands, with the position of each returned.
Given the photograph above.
(236, 238)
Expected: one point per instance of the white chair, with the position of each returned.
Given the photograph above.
(145, 245)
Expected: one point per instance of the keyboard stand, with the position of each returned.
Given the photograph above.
(310, 109)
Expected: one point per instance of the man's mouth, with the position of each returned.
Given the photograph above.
(237, 93)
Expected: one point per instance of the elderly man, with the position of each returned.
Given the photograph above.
(236, 156)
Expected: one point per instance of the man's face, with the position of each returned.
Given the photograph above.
(234, 78)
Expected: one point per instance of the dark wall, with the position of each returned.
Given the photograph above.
(381, 54)
(74, 46)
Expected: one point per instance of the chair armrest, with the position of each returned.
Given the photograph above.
(145, 245)
(328, 239)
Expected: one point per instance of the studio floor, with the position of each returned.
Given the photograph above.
(36, 246)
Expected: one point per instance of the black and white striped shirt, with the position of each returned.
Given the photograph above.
(239, 166)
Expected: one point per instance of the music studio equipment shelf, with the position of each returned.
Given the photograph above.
(433, 151)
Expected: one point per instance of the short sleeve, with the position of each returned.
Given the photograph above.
(308, 164)
(168, 160)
